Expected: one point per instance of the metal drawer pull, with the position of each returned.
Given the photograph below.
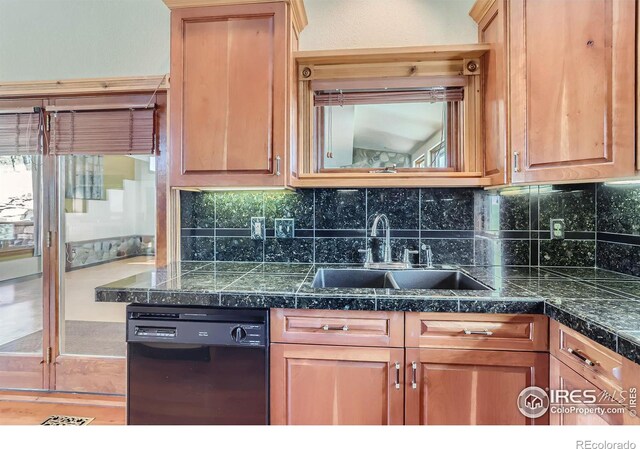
(484, 332)
(326, 327)
(277, 165)
(582, 357)
(397, 375)
(414, 369)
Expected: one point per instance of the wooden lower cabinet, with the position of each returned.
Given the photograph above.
(564, 378)
(464, 387)
(322, 385)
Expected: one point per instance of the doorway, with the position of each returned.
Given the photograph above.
(77, 210)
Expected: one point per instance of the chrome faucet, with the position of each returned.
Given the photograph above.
(387, 263)
(387, 236)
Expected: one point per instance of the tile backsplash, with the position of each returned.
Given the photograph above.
(510, 226)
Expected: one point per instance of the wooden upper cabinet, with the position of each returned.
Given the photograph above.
(492, 29)
(559, 105)
(230, 78)
(572, 84)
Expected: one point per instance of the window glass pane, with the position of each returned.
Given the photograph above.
(108, 219)
(20, 254)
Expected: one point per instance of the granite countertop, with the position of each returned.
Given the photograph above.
(602, 305)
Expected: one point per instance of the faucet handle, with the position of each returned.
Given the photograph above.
(368, 255)
(429, 255)
(406, 258)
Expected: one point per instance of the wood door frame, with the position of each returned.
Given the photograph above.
(20, 94)
(102, 371)
(32, 368)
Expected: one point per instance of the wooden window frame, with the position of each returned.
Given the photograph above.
(394, 68)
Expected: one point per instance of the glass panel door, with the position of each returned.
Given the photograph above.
(107, 232)
(21, 271)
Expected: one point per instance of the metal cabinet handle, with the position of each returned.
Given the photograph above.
(471, 332)
(516, 161)
(414, 369)
(581, 356)
(326, 327)
(397, 375)
(277, 165)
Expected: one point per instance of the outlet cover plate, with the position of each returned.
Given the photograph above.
(557, 228)
(284, 228)
(257, 228)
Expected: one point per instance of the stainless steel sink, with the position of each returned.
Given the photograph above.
(398, 280)
(346, 278)
(437, 279)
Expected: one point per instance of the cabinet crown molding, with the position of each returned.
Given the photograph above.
(298, 12)
(480, 8)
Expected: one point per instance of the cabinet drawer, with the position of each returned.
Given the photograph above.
(337, 327)
(477, 331)
(594, 362)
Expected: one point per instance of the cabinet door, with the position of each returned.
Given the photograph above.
(336, 385)
(492, 29)
(564, 378)
(228, 95)
(572, 66)
(465, 387)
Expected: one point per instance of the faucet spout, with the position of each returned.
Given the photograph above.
(387, 238)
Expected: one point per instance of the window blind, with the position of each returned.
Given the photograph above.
(337, 98)
(19, 132)
(108, 130)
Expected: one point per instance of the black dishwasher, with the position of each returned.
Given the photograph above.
(197, 365)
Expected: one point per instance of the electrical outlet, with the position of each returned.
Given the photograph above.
(257, 228)
(557, 229)
(284, 228)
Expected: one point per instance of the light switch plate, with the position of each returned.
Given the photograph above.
(557, 229)
(257, 228)
(284, 228)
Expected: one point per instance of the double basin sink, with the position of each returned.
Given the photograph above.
(398, 280)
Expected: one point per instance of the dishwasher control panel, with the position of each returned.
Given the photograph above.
(197, 332)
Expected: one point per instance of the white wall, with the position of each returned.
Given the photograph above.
(387, 23)
(58, 39)
(62, 39)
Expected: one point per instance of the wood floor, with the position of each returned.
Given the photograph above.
(25, 408)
